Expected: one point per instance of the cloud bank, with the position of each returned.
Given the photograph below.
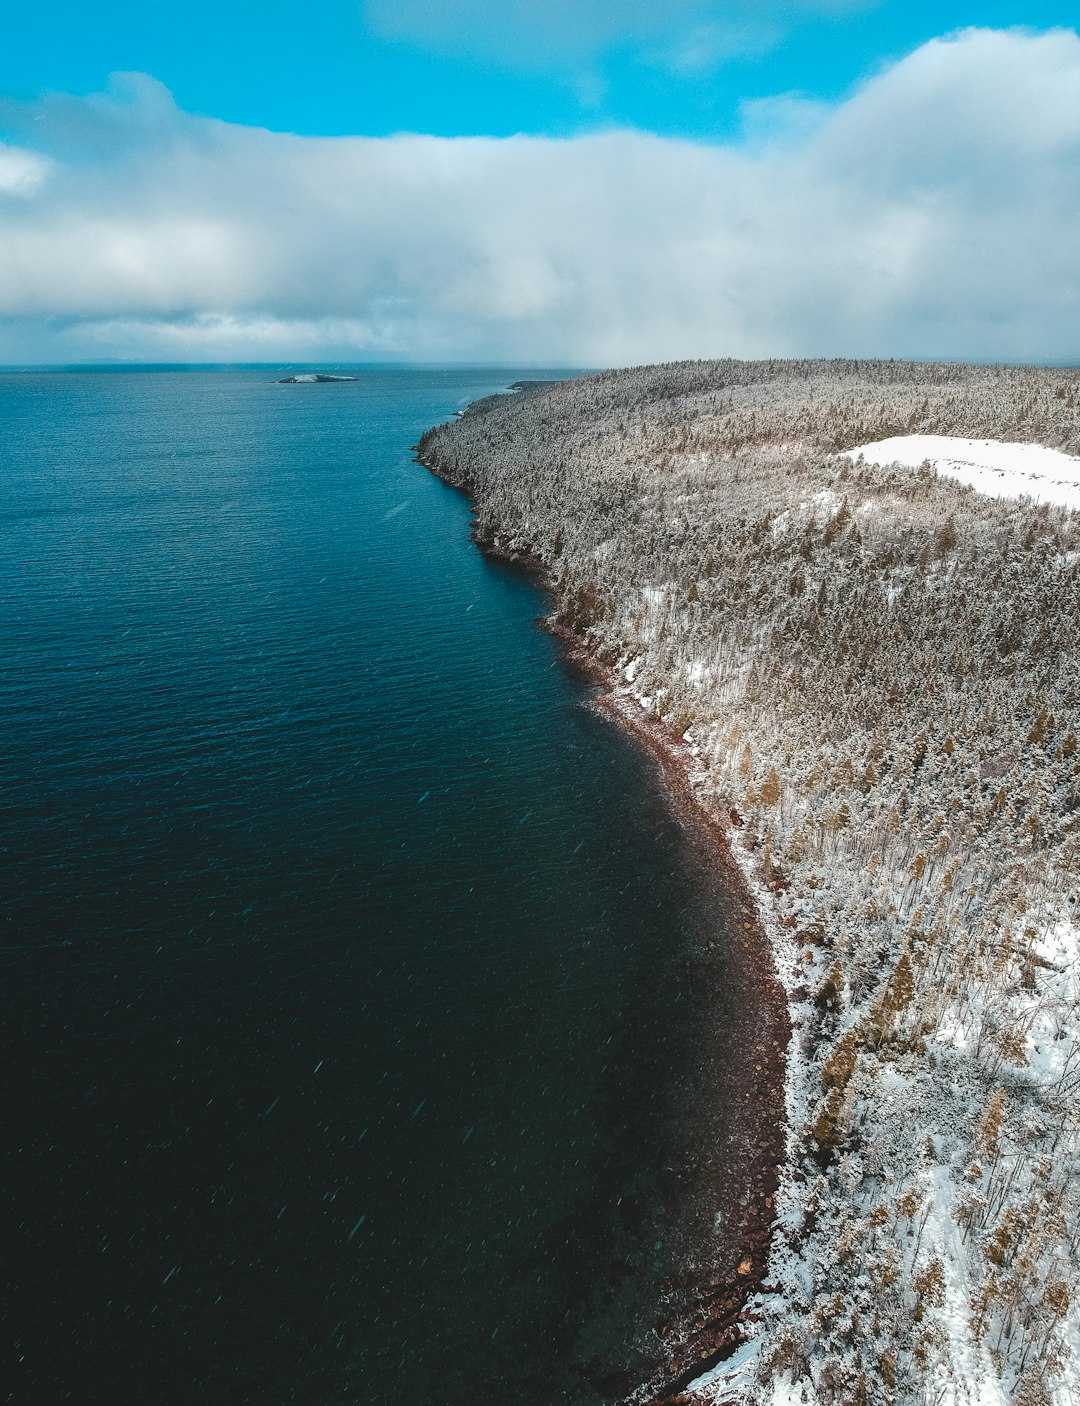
(933, 213)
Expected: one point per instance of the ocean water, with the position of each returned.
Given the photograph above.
(348, 1042)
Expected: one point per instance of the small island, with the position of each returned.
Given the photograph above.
(311, 378)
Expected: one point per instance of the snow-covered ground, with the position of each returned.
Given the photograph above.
(915, 784)
(990, 466)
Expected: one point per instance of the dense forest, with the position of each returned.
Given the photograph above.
(879, 671)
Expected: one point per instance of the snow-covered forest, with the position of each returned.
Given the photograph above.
(879, 670)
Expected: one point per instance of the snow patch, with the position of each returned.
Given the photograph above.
(990, 466)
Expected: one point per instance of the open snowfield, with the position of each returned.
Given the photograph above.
(990, 466)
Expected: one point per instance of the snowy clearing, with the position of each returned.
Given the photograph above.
(990, 466)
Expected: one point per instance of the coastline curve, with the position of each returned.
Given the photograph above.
(710, 1314)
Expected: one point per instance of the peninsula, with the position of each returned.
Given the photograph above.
(868, 672)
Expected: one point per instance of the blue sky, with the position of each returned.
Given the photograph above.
(483, 67)
(581, 182)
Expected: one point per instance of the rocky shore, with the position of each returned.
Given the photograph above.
(712, 1321)
(706, 1315)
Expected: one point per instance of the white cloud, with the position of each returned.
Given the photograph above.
(784, 120)
(932, 213)
(21, 172)
(221, 336)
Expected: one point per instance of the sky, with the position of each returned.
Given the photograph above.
(576, 182)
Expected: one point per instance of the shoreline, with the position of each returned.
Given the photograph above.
(713, 541)
(716, 1319)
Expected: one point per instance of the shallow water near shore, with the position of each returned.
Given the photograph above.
(358, 1042)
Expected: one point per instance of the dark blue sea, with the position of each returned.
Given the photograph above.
(348, 1041)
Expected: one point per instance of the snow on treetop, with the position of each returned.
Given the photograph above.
(990, 466)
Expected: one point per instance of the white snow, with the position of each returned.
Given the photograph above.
(990, 466)
(696, 672)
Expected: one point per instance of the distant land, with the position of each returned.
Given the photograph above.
(311, 378)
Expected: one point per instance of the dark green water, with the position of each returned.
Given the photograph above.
(344, 948)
